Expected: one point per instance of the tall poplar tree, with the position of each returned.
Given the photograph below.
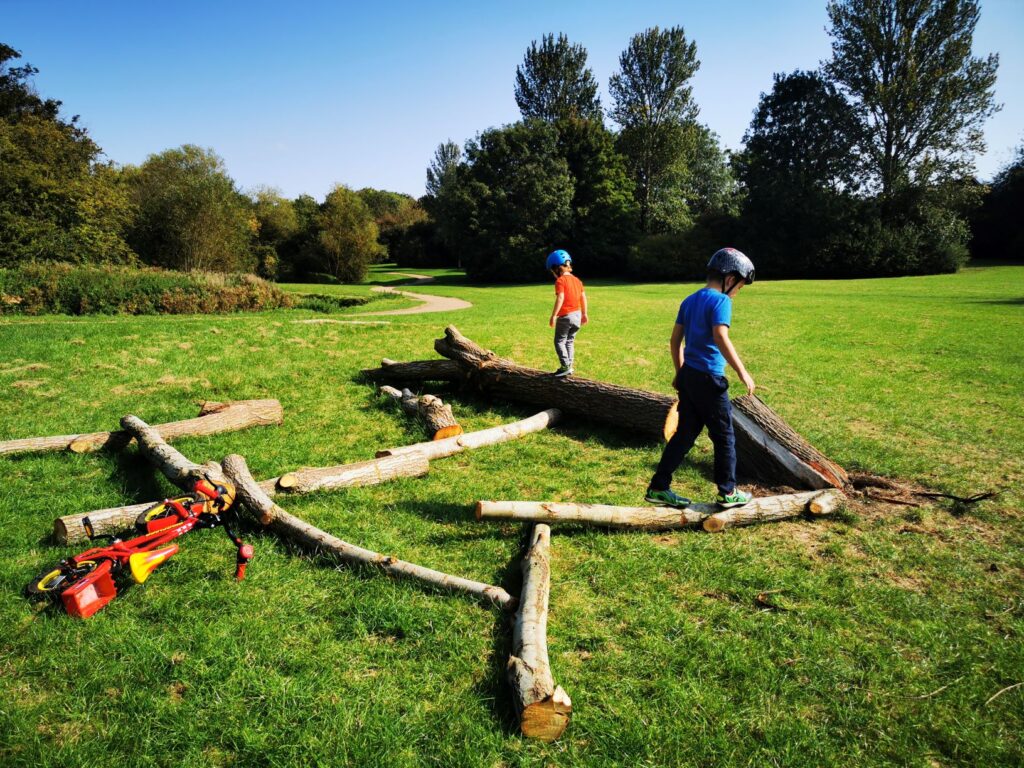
(554, 82)
(921, 96)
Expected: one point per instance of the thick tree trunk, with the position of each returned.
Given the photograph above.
(294, 529)
(437, 416)
(440, 448)
(544, 708)
(767, 448)
(414, 372)
(73, 528)
(764, 509)
(642, 413)
(213, 418)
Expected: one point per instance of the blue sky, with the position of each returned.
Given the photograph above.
(304, 95)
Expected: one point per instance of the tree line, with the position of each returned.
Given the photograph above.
(863, 166)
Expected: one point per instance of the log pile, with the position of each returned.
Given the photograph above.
(767, 448)
(432, 411)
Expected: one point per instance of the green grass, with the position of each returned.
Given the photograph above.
(900, 623)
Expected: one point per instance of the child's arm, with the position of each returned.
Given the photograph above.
(675, 346)
(559, 301)
(583, 306)
(721, 334)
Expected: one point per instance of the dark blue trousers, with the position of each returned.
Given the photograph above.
(703, 402)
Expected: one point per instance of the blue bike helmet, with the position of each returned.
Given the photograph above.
(557, 259)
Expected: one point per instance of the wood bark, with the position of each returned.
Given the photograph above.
(767, 448)
(763, 509)
(432, 411)
(213, 418)
(72, 528)
(440, 448)
(772, 508)
(544, 708)
(414, 372)
(299, 531)
(174, 466)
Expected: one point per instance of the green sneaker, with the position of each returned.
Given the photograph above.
(735, 499)
(666, 498)
(563, 371)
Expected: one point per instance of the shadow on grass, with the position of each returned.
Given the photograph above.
(1017, 302)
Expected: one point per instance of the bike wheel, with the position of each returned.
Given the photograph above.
(50, 584)
(163, 509)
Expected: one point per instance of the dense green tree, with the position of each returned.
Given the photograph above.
(190, 213)
(394, 213)
(998, 233)
(277, 224)
(347, 236)
(554, 82)
(921, 96)
(513, 202)
(653, 105)
(800, 172)
(443, 168)
(444, 175)
(604, 216)
(58, 201)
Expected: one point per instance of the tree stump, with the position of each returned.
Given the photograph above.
(437, 416)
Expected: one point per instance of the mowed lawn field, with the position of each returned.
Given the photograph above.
(897, 627)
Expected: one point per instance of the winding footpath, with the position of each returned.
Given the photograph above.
(430, 303)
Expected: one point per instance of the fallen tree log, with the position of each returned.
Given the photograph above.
(544, 708)
(73, 528)
(213, 419)
(292, 528)
(174, 466)
(767, 448)
(432, 411)
(759, 510)
(440, 448)
(414, 372)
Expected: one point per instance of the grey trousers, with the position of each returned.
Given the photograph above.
(565, 333)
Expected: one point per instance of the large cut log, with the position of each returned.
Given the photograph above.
(438, 449)
(414, 372)
(642, 413)
(767, 447)
(73, 528)
(763, 439)
(213, 419)
(544, 708)
(759, 510)
(300, 532)
(432, 411)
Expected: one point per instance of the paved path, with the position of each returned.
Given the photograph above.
(430, 303)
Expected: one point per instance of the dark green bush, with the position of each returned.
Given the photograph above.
(57, 288)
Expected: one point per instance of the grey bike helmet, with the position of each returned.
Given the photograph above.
(727, 261)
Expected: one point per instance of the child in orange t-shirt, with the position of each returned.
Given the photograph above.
(570, 311)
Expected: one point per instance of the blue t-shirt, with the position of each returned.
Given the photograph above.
(699, 313)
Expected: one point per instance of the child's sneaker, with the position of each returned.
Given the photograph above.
(666, 498)
(735, 499)
(563, 371)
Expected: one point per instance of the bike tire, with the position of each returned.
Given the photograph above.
(162, 509)
(50, 584)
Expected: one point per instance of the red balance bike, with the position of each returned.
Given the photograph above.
(87, 582)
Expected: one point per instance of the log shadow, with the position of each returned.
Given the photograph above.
(138, 477)
(1019, 301)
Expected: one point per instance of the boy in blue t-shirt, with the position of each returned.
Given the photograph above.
(703, 325)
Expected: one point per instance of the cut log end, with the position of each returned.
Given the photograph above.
(714, 523)
(547, 720)
(60, 532)
(287, 481)
(81, 446)
(451, 431)
(825, 503)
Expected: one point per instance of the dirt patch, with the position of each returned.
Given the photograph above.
(28, 384)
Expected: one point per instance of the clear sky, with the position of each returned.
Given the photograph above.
(305, 94)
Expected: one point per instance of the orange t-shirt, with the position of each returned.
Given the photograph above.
(571, 286)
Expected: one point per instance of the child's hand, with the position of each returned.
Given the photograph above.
(584, 320)
(675, 381)
(551, 322)
(748, 382)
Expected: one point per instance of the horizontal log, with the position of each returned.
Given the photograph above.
(469, 440)
(169, 461)
(72, 528)
(310, 537)
(762, 509)
(432, 411)
(213, 418)
(414, 372)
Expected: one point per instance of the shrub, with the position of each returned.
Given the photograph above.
(57, 288)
